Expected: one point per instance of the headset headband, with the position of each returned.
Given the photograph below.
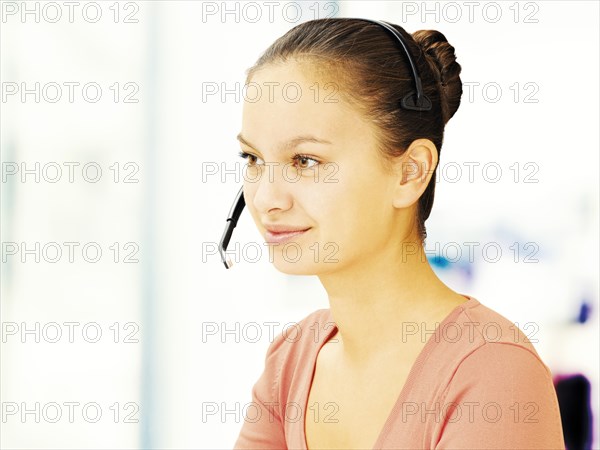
(420, 102)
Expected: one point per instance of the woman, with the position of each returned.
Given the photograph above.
(341, 147)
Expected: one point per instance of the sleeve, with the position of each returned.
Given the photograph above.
(501, 397)
(263, 427)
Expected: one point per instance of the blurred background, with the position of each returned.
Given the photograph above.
(120, 326)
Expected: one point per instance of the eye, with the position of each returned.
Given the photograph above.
(249, 157)
(302, 161)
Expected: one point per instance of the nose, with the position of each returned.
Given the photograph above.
(271, 192)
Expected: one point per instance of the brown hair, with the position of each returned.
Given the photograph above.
(373, 74)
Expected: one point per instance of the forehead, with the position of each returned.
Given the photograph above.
(290, 99)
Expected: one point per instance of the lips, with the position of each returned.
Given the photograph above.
(277, 234)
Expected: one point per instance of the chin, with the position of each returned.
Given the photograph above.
(295, 267)
(305, 266)
(305, 259)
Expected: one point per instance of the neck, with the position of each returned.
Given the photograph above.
(374, 302)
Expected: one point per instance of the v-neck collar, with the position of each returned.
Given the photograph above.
(412, 375)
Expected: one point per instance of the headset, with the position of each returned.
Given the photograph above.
(414, 101)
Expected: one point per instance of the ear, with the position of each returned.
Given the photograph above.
(415, 169)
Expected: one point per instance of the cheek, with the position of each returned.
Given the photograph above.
(348, 212)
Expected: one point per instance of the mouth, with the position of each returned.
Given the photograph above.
(272, 237)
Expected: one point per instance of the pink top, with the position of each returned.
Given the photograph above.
(478, 383)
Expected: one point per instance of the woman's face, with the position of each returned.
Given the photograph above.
(343, 196)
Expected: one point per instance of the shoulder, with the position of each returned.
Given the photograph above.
(499, 391)
(297, 338)
(501, 373)
(501, 396)
(483, 334)
(502, 369)
(476, 334)
(289, 355)
(285, 371)
(297, 341)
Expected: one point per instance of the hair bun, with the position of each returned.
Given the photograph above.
(442, 59)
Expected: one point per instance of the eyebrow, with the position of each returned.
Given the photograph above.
(292, 143)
